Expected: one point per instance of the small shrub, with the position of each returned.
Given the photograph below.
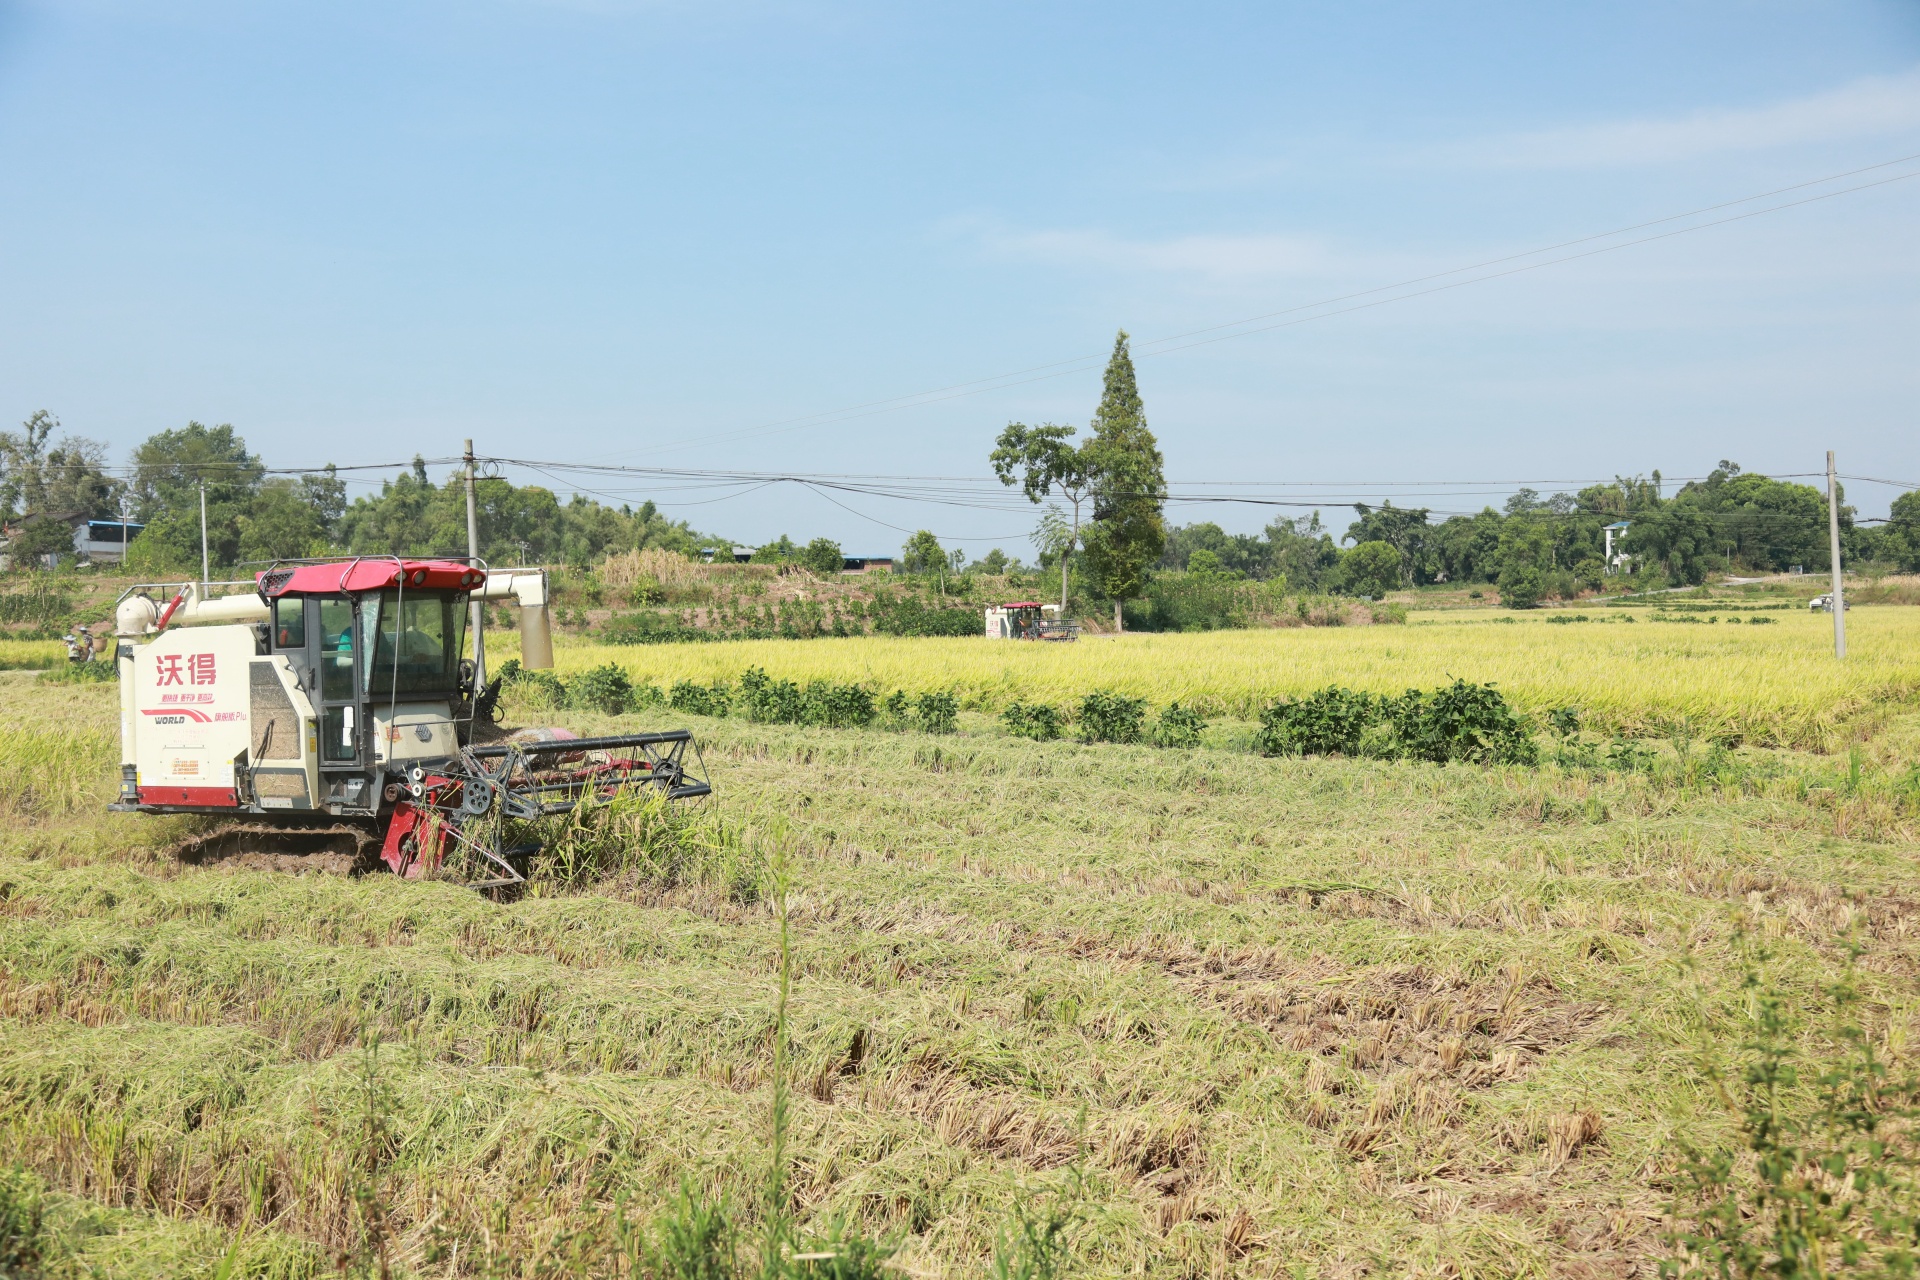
(541, 690)
(1329, 721)
(821, 702)
(695, 1239)
(937, 712)
(895, 709)
(840, 706)
(766, 700)
(1629, 757)
(1179, 727)
(606, 689)
(1466, 722)
(1822, 1180)
(1112, 717)
(1039, 722)
(699, 699)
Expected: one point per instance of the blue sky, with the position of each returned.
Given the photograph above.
(642, 232)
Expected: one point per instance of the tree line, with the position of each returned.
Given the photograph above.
(1102, 529)
(254, 516)
(1539, 547)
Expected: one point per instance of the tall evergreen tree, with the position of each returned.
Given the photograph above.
(1129, 486)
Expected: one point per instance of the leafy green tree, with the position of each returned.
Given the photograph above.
(38, 538)
(1129, 486)
(1678, 537)
(519, 524)
(1467, 548)
(169, 470)
(823, 557)
(326, 493)
(782, 550)
(1371, 569)
(1402, 528)
(70, 477)
(995, 563)
(1248, 556)
(923, 554)
(1045, 460)
(1903, 532)
(1762, 522)
(1525, 558)
(1205, 564)
(283, 523)
(1301, 552)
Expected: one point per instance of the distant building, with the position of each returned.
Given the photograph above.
(94, 541)
(1617, 561)
(866, 564)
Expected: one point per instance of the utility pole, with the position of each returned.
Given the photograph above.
(206, 570)
(479, 618)
(1833, 545)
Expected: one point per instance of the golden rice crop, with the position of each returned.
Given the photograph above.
(31, 655)
(1775, 685)
(52, 772)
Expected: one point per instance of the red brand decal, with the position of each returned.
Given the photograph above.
(178, 715)
(200, 669)
(167, 669)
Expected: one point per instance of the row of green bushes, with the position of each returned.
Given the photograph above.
(1460, 722)
(1457, 722)
(609, 690)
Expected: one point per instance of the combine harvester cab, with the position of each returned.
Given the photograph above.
(334, 699)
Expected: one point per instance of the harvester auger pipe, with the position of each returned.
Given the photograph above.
(338, 692)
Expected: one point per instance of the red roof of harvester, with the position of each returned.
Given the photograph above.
(370, 573)
(1024, 604)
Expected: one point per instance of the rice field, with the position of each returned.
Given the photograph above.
(1775, 684)
(1232, 1016)
(31, 655)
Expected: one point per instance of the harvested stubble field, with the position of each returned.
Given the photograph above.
(1273, 1017)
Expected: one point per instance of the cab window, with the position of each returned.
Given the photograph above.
(336, 650)
(290, 622)
(414, 642)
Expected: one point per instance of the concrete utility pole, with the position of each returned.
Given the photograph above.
(479, 618)
(1833, 539)
(206, 568)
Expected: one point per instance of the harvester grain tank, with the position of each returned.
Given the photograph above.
(334, 696)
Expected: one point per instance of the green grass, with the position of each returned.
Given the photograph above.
(1249, 1016)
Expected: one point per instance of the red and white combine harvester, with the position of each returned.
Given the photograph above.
(333, 704)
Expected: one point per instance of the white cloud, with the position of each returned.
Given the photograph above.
(1875, 106)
